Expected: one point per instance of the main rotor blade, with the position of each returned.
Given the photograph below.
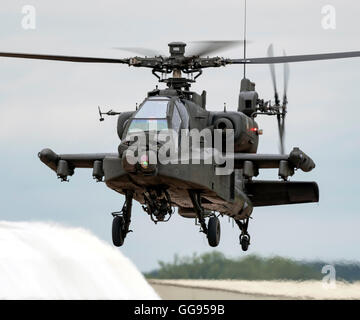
(298, 58)
(61, 58)
(203, 48)
(270, 53)
(142, 51)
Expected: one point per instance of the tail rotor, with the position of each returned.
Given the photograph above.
(280, 107)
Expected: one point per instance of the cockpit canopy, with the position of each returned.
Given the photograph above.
(151, 116)
(157, 114)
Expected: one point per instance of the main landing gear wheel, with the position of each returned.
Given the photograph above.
(121, 221)
(213, 232)
(118, 231)
(244, 241)
(244, 236)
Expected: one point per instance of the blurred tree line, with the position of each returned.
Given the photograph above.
(215, 265)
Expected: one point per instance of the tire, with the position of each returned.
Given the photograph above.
(213, 232)
(117, 231)
(245, 242)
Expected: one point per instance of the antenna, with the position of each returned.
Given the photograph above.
(244, 38)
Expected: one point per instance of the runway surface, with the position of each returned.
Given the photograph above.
(253, 290)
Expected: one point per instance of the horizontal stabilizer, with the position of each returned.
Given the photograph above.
(270, 193)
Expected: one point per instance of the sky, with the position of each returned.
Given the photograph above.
(54, 104)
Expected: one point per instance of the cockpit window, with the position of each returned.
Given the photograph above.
(153, 109)
(138, 125)
(150, 117)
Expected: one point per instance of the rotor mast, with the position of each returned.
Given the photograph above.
(176, 64)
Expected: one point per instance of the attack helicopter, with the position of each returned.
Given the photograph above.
(194, 188)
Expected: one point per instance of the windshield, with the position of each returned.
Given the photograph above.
(137, 125)
(150, 117)
(153, 109)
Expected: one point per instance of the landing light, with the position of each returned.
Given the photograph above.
(144, 161)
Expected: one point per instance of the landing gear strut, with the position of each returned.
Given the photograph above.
(212, 230)
(121, 221)
(244, 236)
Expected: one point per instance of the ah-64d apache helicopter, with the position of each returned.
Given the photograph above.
(194, 188)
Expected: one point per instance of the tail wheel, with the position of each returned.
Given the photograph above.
(213, 234)
(118, 234)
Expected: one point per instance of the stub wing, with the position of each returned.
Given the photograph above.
(269, 193)
(65, 164)
(250, 163)
(296, 159)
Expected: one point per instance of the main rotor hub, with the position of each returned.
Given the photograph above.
(177, 49)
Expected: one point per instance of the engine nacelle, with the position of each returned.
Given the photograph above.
(245, 129)
(223, 124)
